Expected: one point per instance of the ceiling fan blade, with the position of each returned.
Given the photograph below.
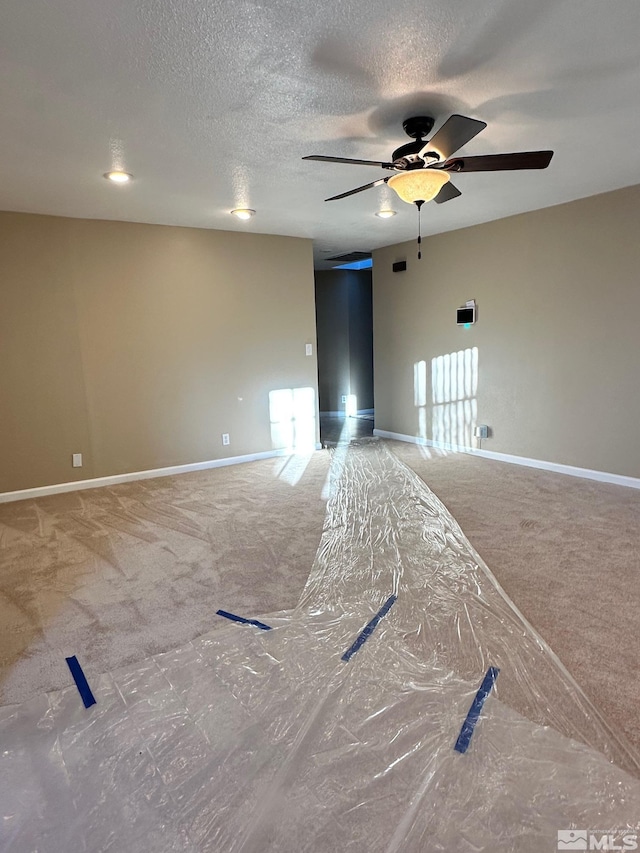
(454, 133)
(323, 159)
(500, 162)
(358, 189)
(447, 192)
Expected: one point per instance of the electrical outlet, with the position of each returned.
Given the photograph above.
(76, 460)
(481, 431)
(225, 438)
(344, 398)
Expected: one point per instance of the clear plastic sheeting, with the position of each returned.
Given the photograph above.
(252, 740)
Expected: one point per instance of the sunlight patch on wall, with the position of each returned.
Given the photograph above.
(454, 388)
(420, 400)
(292, 413)
(420, 384)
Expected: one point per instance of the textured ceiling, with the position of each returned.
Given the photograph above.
(212, 105)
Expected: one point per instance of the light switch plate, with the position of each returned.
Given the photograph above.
(308, 349)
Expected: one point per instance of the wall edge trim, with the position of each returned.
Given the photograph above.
(557, 467)
(115, 479)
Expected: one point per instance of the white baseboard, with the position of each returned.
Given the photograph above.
(342, 413)
(571, 470)
(97, 482)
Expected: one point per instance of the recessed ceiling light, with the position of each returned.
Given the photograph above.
(385, 214)
(243, 212)
(118, 177)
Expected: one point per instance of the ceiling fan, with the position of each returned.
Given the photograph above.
(422, 167)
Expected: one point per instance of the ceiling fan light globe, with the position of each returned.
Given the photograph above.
(418, 184)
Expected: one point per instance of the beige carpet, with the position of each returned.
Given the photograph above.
(117, 574)
(567, 552)
(304, 738)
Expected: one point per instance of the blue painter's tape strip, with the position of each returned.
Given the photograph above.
(81, 682)
(244, 621)
(464, 738)
(368, 630)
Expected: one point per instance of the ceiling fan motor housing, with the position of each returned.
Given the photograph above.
(417, 127)
(407, 152)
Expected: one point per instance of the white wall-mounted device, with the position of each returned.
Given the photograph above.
(466, 314)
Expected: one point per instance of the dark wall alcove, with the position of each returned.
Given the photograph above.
(344, 322)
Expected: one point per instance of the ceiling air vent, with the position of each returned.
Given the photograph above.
(350, 257)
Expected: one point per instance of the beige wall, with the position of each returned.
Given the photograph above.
(138, 345)
(557, 337)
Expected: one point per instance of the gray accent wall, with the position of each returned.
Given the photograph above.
(344, 321)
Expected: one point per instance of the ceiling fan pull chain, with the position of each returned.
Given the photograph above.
(419, 206)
